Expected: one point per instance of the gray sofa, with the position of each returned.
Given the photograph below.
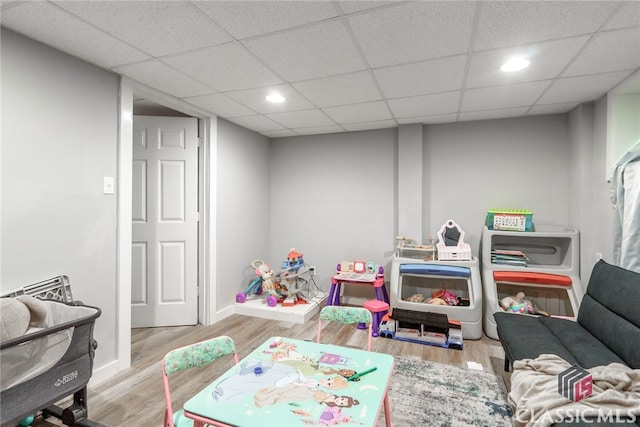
(607, 328)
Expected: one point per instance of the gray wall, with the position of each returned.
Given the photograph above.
(332, 198)
(243, 208)
(59, 139)
(518, 163)
(333, 195)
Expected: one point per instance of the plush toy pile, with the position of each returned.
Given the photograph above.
(18, 314)
(439, 297)
(520, 304)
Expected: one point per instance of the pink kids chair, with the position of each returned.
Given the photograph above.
(196, 355)
(345, 315)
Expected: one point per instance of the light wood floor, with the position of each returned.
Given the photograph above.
(135, 397)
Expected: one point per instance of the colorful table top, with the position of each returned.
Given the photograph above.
(287, 382)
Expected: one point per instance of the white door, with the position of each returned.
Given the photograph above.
(164, 267)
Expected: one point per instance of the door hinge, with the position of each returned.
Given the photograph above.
(198, 216)
(199, 142)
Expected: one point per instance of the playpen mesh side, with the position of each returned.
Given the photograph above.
(24, 361)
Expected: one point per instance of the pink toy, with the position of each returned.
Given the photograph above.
(446, 296)
(332, 416)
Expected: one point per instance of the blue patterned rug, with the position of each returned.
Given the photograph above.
(432, 394)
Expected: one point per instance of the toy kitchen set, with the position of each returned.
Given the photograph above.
(444, 279)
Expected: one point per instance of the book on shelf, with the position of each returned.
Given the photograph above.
(509, 257)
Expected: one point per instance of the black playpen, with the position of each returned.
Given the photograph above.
(48, 365)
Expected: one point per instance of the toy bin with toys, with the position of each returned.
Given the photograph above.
(533, 273)
(452, 288)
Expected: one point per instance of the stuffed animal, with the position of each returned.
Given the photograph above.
(437, 301)
(415, 298)
(448, 297)
(519, 304)
(532, 308)
(508, 302)
(20, 313)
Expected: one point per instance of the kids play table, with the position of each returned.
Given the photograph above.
(287, 382)
(376, 280)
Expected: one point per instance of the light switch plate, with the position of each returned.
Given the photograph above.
(108, 185)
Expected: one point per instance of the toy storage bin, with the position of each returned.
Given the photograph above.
(552, 300)
(551, 279)
(426, 285)
(462, 278)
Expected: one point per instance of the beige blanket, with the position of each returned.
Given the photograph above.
(536, 401)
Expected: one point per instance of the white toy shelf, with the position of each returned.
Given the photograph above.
(551, 277)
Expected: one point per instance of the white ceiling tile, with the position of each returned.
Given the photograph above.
(552, 108)
(226, 55)
(244, 19)
(221, 105)
(414, 31)
(547, 61)
(224, 67)
(608, 51)
(360, 5)
(429, 120)
(315, 51)
(581, 89)
(301, 119)
(339, 90)
(496, 97)
(366, 112)
(492, 114)
(378, 124)
(48, 24)
(319, 130)
(160, 76)
(157, 27)
(256, 123)
(279, 133)
(627, 16)
(255, 99)
(421, 78)
(425, 105)
(510, 23)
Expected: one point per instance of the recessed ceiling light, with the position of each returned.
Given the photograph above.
(515, 64)
(275, 98)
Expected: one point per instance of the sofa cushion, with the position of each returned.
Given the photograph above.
(608, 310)
(587, 349)
(525, 337)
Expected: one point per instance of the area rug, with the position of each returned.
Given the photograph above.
(432, 394)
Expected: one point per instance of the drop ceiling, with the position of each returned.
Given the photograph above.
(349, 65)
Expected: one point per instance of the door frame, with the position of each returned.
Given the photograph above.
(207, 129)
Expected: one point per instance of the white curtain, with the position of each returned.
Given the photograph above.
(625, 194)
